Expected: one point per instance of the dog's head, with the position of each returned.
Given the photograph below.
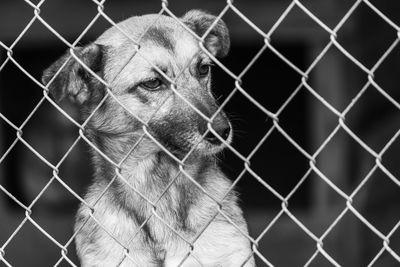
(146, 93)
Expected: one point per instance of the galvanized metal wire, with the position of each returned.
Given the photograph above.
(239, 89)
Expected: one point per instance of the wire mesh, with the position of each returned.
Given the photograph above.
(239, 88)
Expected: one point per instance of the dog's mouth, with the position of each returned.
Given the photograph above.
(211, 144)
(181, 143)
(218, 140)
(201, 147)
(197, 144)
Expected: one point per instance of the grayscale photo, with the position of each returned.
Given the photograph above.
(213, 133)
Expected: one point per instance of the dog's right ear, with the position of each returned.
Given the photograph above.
(74, 80)
(217, 41)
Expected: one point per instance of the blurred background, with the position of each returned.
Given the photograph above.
(270, 81)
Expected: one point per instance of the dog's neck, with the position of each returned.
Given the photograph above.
(132, 154)
(153, 174)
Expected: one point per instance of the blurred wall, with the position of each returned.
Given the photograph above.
(270, 81)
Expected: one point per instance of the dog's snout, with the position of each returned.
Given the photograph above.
(222, 128)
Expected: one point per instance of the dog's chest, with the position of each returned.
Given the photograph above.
(150, 236)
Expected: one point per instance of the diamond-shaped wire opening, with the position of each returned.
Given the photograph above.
(384, 258)
(329, 156)
(269, 169)
(326, 217)
(273, 13)
(365, 239)
(297, 23)
(15, 176)
(11, 223)
(327, 78)
(381, 190)
(375, 128)
(273, 69)
(10, 27)
(351, 43)
(33, 243)
(329, 13)
(61, 23)
(18, 113)
(282, 234)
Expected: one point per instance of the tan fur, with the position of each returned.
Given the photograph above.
(142, 230)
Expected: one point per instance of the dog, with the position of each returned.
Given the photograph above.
(153, 214)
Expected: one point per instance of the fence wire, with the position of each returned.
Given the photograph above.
(239, 89)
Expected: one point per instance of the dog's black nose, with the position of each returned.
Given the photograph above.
(223, 132)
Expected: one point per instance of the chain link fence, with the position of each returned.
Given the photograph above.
(305, 84)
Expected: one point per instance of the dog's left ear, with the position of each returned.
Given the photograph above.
(217, 41)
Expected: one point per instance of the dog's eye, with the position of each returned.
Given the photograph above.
(204, 69)
(152, 84)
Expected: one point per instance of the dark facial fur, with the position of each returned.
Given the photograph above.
(171, 119)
